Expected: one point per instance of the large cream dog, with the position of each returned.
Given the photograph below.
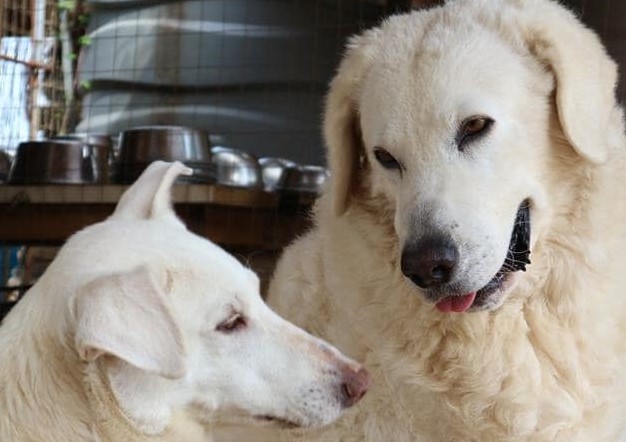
(140, 331)
(460, 138)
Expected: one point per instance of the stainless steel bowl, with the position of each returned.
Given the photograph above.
(236, 168)
(96, 141)
(273, 171)
(60, 162)
(88, 139)
(306, 179)
(142, 145)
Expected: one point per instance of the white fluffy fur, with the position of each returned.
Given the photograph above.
(119, 339)
(547, 361)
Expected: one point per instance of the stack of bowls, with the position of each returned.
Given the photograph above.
(273, 171)
(236, 168)
(142, 145)
(102, 144)
(71, 161)
(303, 179)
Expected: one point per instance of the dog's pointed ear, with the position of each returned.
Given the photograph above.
(126, 315)
(341, 122)
(150, 195)
(585, 75)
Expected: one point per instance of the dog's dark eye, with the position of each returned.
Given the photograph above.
(386, 159)
(472, 128)
(233, 323)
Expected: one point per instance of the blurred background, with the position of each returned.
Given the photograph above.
(92, 91)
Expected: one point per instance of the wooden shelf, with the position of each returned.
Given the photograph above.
(110, 194)
(235, 218)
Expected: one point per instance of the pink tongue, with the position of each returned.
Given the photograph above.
(457, 304)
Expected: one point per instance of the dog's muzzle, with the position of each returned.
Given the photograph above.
(431, 263)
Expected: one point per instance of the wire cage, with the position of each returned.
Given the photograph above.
(250, 73)
(31, 96)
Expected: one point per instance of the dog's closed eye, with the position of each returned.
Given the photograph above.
(234, 322)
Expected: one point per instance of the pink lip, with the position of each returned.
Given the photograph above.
(457, 304)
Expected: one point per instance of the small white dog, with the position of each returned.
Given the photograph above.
(140, 331)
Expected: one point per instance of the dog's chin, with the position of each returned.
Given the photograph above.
(278, 421)
(240, 418)
(291, 419)
(283, 422)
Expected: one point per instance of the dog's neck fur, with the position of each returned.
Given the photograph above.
(113, 425)
(109, 421)
(47, 393)
(39, 380)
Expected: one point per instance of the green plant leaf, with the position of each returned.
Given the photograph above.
(85, 40)
(68, 5)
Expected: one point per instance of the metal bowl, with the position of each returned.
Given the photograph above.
(273, 170)
(306, 179)
(94, 140)
(140, 146)
(88, 139)
(60, 162)
(236, 168)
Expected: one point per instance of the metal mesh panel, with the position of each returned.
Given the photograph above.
(252, 73)
(31, 97)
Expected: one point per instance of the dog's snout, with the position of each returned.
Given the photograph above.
(430, 263)
(353, 386)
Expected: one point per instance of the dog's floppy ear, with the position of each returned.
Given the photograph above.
(341, 122)
(585, 75)
(125, 315)
(150, 195)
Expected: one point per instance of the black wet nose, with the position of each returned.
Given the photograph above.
(429, 263)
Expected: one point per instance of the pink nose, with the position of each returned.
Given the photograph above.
(354, 386)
